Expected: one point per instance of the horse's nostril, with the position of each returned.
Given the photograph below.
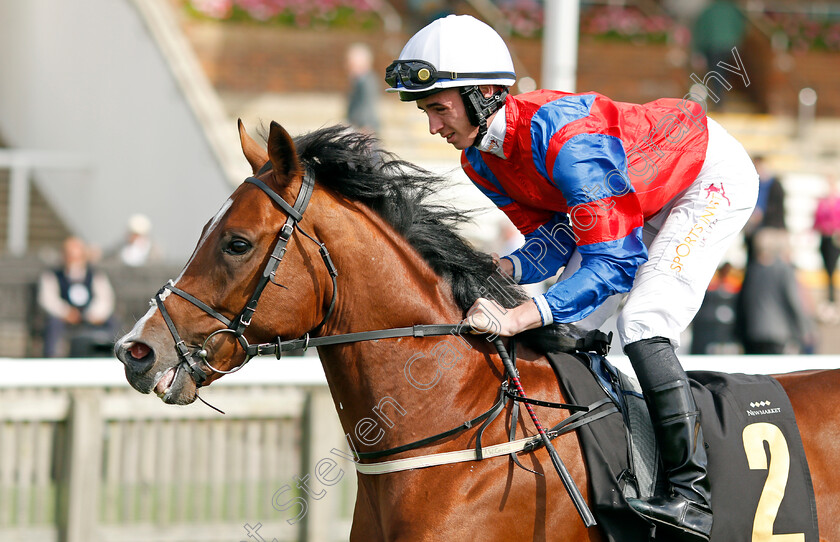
(138, 351)
(136, 355)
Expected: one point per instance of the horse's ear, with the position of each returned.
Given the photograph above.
(254, 153)
(281, 151)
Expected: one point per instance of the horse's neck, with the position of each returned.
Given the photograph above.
(384, 283)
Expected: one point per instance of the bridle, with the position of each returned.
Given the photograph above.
(194, 360)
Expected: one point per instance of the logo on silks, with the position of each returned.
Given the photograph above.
(705, 220)
(714, 192)
(761, 408)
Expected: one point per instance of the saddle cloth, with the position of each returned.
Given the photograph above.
(759, 475)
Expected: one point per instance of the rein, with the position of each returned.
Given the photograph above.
(593, 341)
(194, 360)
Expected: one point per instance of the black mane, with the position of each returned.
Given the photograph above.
(352, 164)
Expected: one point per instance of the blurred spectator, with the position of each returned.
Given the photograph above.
(713, 329)
(363, 100)
(138, 249)
(771, 315)
(827, 224)
(718, 28)
(769, 209)
(79, 303)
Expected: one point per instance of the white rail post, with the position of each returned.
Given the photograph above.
(79, 513)
(324, 433)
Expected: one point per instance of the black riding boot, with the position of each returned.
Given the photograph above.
(684, 512)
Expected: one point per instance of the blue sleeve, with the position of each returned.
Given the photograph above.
(607, 268)
(590, 169)
(545, 251)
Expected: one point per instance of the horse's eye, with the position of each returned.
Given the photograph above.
(237, 247)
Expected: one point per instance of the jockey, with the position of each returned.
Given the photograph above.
(635, 202)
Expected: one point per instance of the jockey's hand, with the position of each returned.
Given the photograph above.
(487, 316)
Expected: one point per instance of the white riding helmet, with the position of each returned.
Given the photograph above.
(454, 51)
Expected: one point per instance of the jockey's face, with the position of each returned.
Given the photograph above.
(448, 117)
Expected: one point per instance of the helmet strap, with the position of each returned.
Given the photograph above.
(479, 108)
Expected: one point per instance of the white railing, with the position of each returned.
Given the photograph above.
(768, 365)
(85, 458)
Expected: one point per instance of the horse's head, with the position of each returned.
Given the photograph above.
(200, 325)
(390, 238)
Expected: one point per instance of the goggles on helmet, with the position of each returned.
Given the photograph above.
(420, 75)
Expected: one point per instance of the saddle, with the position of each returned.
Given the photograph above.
(758, 472)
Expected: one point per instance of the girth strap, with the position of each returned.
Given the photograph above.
(444, 458)
(527, 444)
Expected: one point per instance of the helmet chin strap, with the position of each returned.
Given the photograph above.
(479, 108)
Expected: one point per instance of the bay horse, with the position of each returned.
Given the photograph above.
(393, 260)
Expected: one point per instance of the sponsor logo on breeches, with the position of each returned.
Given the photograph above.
(699, 232)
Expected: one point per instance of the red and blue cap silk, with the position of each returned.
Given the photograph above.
(581, 170)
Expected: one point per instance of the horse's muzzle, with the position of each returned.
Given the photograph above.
(147, 373)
